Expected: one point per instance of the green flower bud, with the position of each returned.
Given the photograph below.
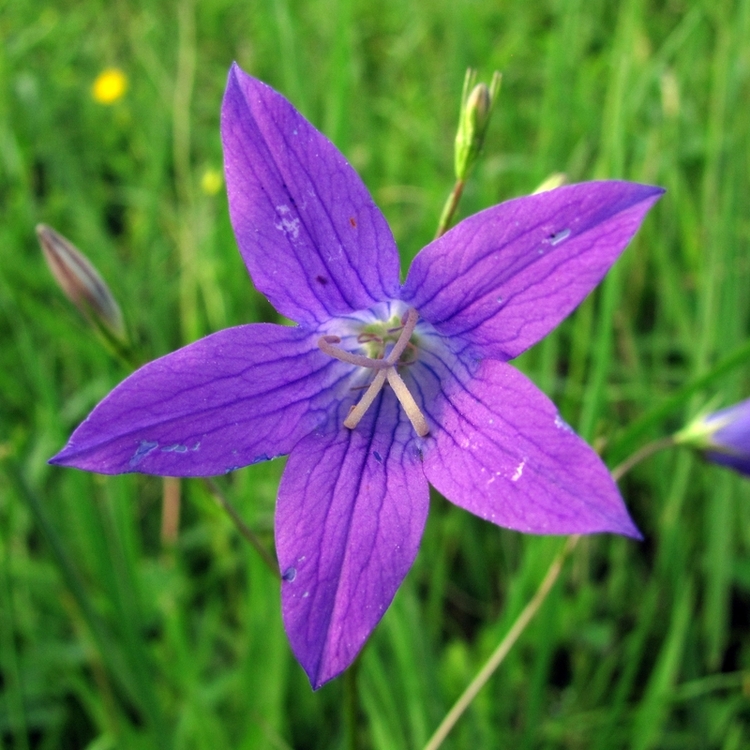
(81, 283)
(554, 181)
(723, 436)
(477, 102)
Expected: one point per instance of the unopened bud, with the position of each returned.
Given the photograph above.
(477, 102)
(81, 283)
(554, 181)
(723, 437)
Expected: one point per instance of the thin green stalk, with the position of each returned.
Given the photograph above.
(242, 527)
(527, 613)
(504, 647)
(651, 418)
(641, 455)
(449, 210)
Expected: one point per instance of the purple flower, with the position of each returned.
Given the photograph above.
(723, 436)
(381, 387)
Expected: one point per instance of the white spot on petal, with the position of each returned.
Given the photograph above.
(519, 471)
(559, 237)
(288, 226)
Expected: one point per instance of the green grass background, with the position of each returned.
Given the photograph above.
(108, 640)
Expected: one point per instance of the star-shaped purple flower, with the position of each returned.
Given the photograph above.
(381, 388)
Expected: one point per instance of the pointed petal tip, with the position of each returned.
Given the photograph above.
(629, 530)
(619, 523)
(237, 75)
(70, 458)
(317, 680)
(323, 672)
(654, 191)
(637, 192)
(64, 457)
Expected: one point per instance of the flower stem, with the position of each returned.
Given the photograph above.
(170, 510)
(643, 453)
(503, 647)
(242, 527)
(528, 612)
(449, 209)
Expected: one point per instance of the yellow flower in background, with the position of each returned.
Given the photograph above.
(211, 181)
(109, 86)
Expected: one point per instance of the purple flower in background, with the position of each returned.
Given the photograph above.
(722, 436)
(381, 388)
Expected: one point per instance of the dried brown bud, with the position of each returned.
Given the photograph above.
(81, 282)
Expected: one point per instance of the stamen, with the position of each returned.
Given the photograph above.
(409, 324)
(359, 410)
(385, 370)
(407, 401)
(325, 344)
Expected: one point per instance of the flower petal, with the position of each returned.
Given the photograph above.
(740, 463)
(351, 510)
(311, 236)
(502, 452)
(733, 428)
(239, 396)
(505, 277)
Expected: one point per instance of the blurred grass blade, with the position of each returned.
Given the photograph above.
(138, 691)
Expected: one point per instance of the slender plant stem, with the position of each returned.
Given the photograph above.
(450, 208)
(170, 510)
(507, 643)
(242, 527)
(640, 455)
(528, 612)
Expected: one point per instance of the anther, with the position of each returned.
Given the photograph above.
(366, 338)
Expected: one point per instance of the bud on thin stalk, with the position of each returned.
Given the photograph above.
(722, 437)
(477, 103)
(82, 284)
